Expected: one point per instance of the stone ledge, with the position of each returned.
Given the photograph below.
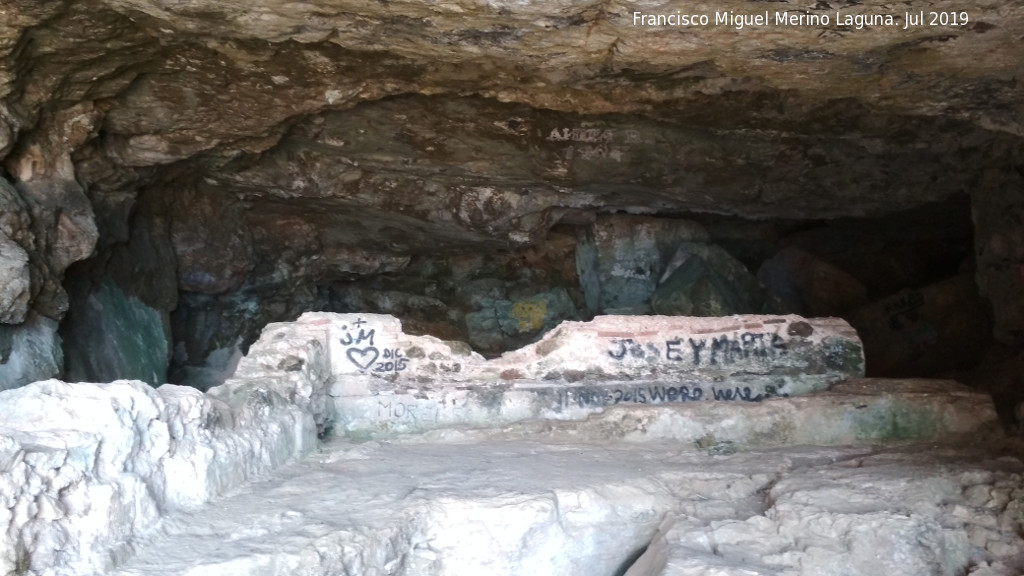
(87, 468)
(869, 410)
(370, 354)
(386, 381)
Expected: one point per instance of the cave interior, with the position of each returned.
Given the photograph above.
(178, 176)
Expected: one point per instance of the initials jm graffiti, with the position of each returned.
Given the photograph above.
(363, 353)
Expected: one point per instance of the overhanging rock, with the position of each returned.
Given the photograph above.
(388, 381)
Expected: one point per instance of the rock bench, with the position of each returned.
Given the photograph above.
(388, 381)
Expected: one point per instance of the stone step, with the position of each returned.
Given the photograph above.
(868, 410)
(850, 411)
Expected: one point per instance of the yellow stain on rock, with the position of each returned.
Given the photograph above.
(529, 314)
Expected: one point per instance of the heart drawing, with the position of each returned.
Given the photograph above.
(363, 358)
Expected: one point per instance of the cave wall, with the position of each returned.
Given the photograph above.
(223, 166)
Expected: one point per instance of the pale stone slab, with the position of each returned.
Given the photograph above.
(574, 508)
(867, 410)
(387, 381)
(87, 468)
(792, 354)
(369, 352)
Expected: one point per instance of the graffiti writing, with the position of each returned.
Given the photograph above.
(581, 135)
(660, 394)
(725, 349)
(395, 409)
(904, 309)
(594, 143)
(593, 152)
(363, 358)
(623, 346)
(348, 339)
(362, 351)
(729, 394)
(393, 361)
(420, 410)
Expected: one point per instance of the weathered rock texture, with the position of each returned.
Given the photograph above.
(507, 508)
(999, 245)
(938, 328)
(29, 351)
(103, 315)
(803, 284)
(387, 381)
(882, 524)
(244, 159)
(89, 468)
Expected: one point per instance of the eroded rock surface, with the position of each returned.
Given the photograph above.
(937, 328)
(858, 516)
(801, 283)
(104, 315)
(510, 507)
(89, 468)
(386, 380)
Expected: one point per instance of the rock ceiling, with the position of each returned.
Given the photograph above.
(712, 117)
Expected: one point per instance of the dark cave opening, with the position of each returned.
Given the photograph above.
(905, 281)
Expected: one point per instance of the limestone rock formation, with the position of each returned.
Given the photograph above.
(176, 175)
(501, 324)
(89, 468)
(15, 282)
(15, 274)
(512, 507)
(385, 380)
(999, 246)
(247, 160)
(881, 524)
(621, 260)
(697, 288)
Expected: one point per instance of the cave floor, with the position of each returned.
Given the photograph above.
(482, 503)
